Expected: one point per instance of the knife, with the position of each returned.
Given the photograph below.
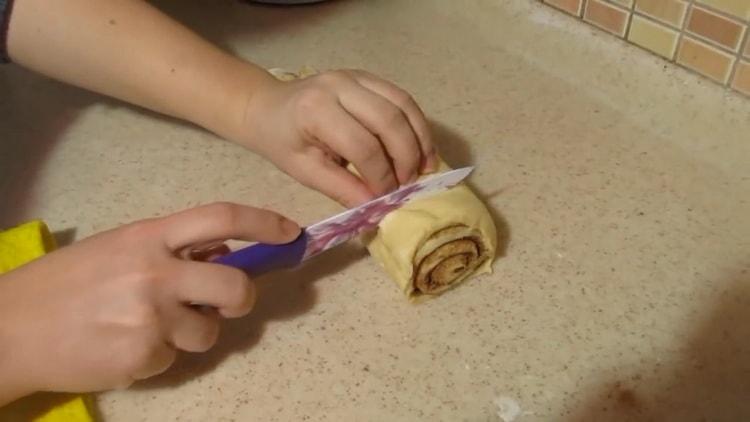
(261, 258)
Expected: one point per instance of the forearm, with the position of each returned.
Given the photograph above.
(130, 50)
(13, 385)
(12, 388)
(15, 376)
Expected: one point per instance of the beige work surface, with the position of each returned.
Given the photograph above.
(623, 185)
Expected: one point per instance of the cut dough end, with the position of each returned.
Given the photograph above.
(450, 262)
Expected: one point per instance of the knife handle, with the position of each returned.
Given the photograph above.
(262, 258)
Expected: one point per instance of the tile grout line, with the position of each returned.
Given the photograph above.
(684, 31)
(681, 32)
(738, 60)
(658, 22)
(713, 43)
(736, 21)
(676, 27)
(616, 7)
(619, 6)
(584, 9)
(719, 12)
(631, 12)
(744, 44)
(553, 6)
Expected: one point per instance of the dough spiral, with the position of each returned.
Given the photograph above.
(447, 256)
(434, 243)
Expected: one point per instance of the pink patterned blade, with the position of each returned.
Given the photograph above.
(342, 227)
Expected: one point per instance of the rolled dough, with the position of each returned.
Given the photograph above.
(431, 244)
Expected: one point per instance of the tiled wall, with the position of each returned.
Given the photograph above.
(707, 36)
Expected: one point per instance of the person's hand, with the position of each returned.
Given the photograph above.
(115, 307)
(311, 128)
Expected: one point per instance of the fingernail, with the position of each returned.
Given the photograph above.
(208, 253)
(429, 166)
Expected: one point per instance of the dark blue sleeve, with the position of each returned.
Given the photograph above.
(5, 8)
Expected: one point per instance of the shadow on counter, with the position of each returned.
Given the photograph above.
(456, 152)
(34, 115)
(287, 295)
(222, 21)
(710, 381)
(36, 111)
(281, 296)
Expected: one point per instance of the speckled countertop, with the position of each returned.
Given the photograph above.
(624, 185)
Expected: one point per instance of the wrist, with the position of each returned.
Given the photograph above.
(15, 379)
(226, 116)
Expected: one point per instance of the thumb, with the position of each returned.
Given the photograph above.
(223, 220)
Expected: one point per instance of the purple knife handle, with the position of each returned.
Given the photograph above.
(262, 258)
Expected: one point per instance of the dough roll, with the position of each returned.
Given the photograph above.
(432, 244)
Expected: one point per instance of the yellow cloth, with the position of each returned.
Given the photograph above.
(18, 246)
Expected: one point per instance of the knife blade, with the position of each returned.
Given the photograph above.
(331, 232)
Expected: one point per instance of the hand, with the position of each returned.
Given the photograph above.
(115, 307)
(311, 128)
(308, 128)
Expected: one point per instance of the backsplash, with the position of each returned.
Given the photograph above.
(709, 37)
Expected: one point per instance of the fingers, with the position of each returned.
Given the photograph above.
(410, 109)
(317, 171)
(371, 123)
(227, 289)
(191, 330)
(221, 221)
(389, 123)
(349, 139)
(151, 359)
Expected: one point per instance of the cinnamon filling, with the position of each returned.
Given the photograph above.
(447, 264)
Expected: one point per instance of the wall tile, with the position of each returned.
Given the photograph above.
(625, 3)
(653, 36)
(574, 7)
(738, 8)
(705, 59)
(742, 78)
(667, 11)
(702, 35)
(723, 31)
(606, 16)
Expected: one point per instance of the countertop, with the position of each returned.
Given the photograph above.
(621, 183)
